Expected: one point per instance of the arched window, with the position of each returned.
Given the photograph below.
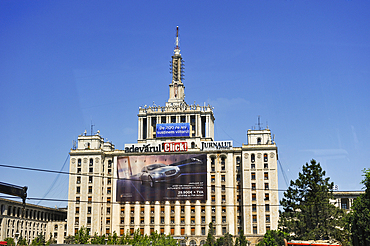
(213, 163)
(258, 140)
(79, 162)
(202, 243)
(193, 243)
(182, 243)
(192, 145)
(253, 158)
(91, 162)
(265, 159)
(223, 163)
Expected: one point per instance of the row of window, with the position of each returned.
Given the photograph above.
(265, 157)
(90, 188)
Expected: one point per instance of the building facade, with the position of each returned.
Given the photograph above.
(36, 220)
(176, 178)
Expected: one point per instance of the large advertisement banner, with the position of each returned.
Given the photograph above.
(173, 130)
(162, 177)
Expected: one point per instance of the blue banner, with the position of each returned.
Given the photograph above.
(173, 130)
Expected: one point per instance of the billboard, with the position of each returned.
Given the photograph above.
(162, 177)
(173, 130)
(216, 145)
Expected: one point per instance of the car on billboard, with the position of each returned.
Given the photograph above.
(155, 173)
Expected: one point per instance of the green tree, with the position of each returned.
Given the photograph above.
(359, 218)
(22, 241)
(241, 240)
(39, 240)
(226, 240)
(9, 241)
(273, 238)
(210, 236)
(82, 236)
(307, 211)
(69, 239)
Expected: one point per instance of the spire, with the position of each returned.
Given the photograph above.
(177, 88)
(177, 47)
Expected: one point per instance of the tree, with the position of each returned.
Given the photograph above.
(307, 211)
(360, 216)
(9, 241)
(210, 236)
(39, 240)
(82, 236)
(22, 241)
(241, 240)
(273, 238)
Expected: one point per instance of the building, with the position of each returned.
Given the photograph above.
(36, 220)
(176, 179)
(345, 199)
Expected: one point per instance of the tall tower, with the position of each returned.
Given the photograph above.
(177, 88)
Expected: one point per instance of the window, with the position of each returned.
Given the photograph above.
(222, 178)
(223, 219)
(254, 229)
(91, 163)
(109, 190)
(268, 228)
(109, 181)
(172, 232)
(182, 119)
(223, 188)
(162, 220)
(254, 208)
(213, 208)
(78, 170)
(122, 210)
(142, 209)
(253, 166)
(238, 198)
(109, 171)
(132, 210)
(89, 210)
(212, 178)
(265, 159)
(77, 219)
(162, 209)
(132, 220)
(78, 180)
(192, 209)
(182, 230)
(222, 163)
(192, 220)
(79, 162)
(192, 230)
(77, 200)
(253, 176)
(253, 186)
(78, 189)
(254, 218)
(77, 210)
(89, 199)
(90, 189)
(213, 198)
(107, 221)
(90, 179)
(266, 186)
(203, 219)
(238, 177)
(213, 188)
(259, 140)
(172, 220)
(108, 210)
(172, 209)
(254, 197)
(182, 220)
(268, 218)
(223, 230)
(253, 158)
(267, 197)
(266, 175)
(162, 230)
(203, 230)
(223, 209)
(182, 209)
(89, 220)
(132, 230)
(173, 119)
(212, 164)
(223, 198)
(213, 219)
(109, 164)
(108, 199)
(267, 207)
(91, 169)
(266, 165)
(203, 209)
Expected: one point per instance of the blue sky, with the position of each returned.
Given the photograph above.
(303, 66)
